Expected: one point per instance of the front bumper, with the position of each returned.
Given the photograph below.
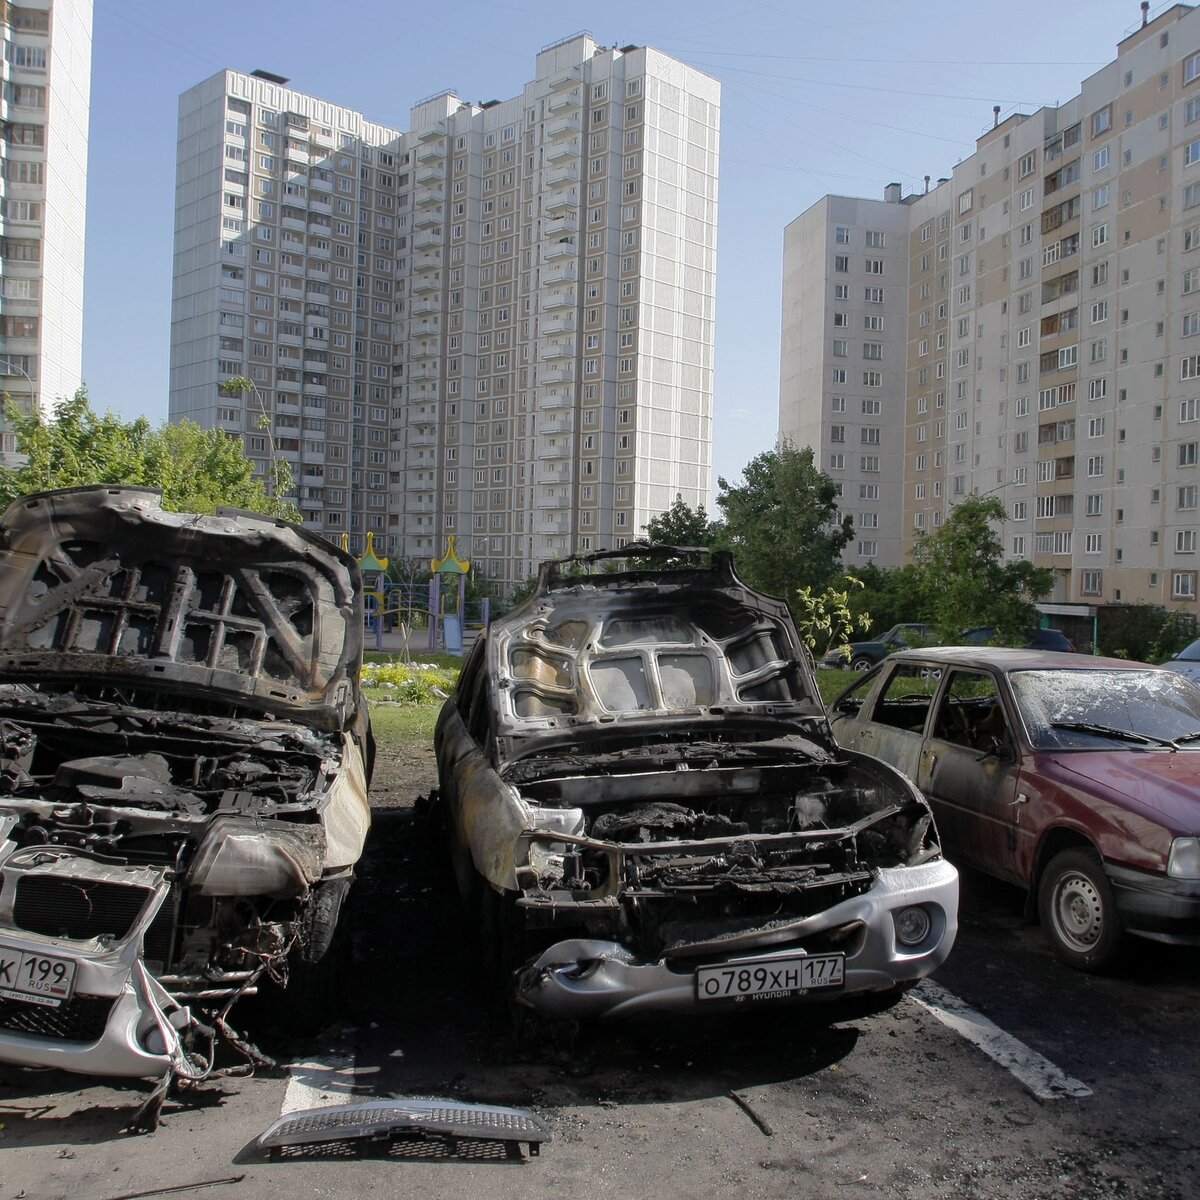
(1157, 906)
(596, 978)
(118, 1020)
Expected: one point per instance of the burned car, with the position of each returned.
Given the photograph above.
(183, 775)
(1076, 778)
(647, 811)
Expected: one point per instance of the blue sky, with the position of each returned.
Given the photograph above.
(816, 98)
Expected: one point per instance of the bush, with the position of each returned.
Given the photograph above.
(410, 683)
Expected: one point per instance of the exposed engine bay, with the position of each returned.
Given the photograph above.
(183, 776)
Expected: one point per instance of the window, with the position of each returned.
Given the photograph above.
(1100, 159)
(1187, 454)
(875, 239)
(1185, 541)
(1099, 235)
(841, 235)
(1090, 583)
(1102, 120)
(1183, 583)
(874, 266)
(841, 262)
(1095, 466)
(1191, 71)
(1186, 497)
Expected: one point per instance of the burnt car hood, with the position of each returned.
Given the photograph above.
(1163, 785)
(100, 583)
(612, 655)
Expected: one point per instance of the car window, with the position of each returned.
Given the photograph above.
(1190, 653)
(970, 712)
(852, 700)
(906, 697)
(469, 676)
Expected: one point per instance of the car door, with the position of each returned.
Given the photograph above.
(970, 771)
(888, 719)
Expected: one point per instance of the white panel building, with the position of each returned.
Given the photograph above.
(497, 324)
(43, 185)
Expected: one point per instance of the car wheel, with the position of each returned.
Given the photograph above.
(861, 663)
(318, 963)
(1078, 912)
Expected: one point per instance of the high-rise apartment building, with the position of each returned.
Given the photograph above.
(497, 324)
(844, 337)
(1052, 309)
(44, 125)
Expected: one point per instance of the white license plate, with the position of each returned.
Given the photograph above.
(35, 978)
(771, 977)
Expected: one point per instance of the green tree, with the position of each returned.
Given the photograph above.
(780, 522)
(680, 526)
(966, 581)
(825, 620)
(197, 470)
(891, 595)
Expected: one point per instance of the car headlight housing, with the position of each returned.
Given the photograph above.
(1184, 860)
(242, 857)
(913, 926)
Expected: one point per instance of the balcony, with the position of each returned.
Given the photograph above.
(558, 151)
(430, 236)
(427, 176)
(565, 100)
(564, 273)
(559, 300)
(427, 283)
(553, 399)
(422, 437)
(420, 308)
(561, 324)
(561, 421)
(427, 219)
(558, 350)
(429, 197)
(564, 248)
(431, 151)
(560, 374)
(562, 202)
(568, 79)
(567, 176)
(566, 126)
(422, 370)
(429, 260)
(423, 352)
(429, 327)
(548, 525)
(560, 226)
(551, 473)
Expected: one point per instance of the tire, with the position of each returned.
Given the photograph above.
(861, 663)
(318, 964)
(1078, 911)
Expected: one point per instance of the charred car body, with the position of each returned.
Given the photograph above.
(649, 813)
(183, 774)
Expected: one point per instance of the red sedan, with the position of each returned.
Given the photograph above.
(1075, 777)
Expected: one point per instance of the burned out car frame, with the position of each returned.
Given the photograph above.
(1075, 777)
(184, 761)
(647, 812)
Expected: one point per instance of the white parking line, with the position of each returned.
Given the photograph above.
(1038, 1074)
(318, 1083)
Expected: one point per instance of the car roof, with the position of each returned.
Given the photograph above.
(1004, 659)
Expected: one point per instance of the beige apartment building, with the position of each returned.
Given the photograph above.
(47, 70)
(496, 325)
(1052, 309)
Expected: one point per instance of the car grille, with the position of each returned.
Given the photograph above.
(79, 909)
(81, 1019)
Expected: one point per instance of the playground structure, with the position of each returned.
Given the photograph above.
(442, 608)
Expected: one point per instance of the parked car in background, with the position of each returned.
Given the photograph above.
(647, 811)
(1035, 639)
(1075, 777)
(184, 759)
(1187, 662)
(862, 656)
